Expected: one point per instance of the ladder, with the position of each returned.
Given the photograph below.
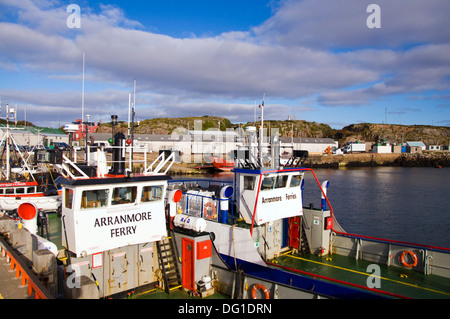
(168, 260)
(304, 246)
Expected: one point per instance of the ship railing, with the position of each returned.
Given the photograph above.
(161, 162)
(159, 166)
(128, 153)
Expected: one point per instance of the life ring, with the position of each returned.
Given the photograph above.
(260, 287)
(210, 213)
(413, 256)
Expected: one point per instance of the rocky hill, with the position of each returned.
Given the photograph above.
(394, 133)
(368, 132)
(166, 126)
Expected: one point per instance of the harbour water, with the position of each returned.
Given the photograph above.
(406, 204)
(398, 203)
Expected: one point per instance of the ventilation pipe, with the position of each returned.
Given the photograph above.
(225, 194)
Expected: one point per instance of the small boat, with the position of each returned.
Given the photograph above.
(13, 194)
(221, 164)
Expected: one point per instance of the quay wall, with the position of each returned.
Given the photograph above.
(425, 159)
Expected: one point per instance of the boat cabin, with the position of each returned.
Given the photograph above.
(18, 189)
(269, 194)
(106, 213)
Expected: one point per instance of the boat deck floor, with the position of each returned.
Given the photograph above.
(398, 282)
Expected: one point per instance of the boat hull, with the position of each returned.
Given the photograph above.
(223, 165)
(42, 203)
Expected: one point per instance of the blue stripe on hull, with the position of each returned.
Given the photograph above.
(318, 286)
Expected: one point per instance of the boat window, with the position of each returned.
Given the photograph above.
(1, 190)
(124, 195)
(267, 183)
(10, 191)
(94, 198)
(152, 193)
(20, 190)
(281, 181)
(31, 190)
(249, 183)
(295, 181)
(68, 198)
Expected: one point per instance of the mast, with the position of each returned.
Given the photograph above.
(261, 131)
(82, 92)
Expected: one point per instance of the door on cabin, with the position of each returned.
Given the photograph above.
(188, 270)
(294, 232)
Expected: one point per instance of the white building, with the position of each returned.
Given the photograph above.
(32, 136)
(200, 144)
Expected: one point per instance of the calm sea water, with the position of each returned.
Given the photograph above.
(406, 204)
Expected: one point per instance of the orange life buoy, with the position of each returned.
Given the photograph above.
(209, 211)
(413, 256)
(260, 287)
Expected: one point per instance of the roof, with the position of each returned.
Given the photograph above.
(305, 140)
(419, 144)
(34, 130)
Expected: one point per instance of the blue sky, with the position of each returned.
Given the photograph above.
(315, 60)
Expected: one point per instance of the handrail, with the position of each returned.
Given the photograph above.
(22, 270)
(383, 240)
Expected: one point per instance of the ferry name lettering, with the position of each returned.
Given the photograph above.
(122, 219)
(278, 198)
(272, 199)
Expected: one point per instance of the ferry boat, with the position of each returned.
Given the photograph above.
(262, 227)
(250, 237)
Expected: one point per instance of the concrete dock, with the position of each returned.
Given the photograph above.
(10, 286)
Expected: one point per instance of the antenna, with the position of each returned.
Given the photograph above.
(82, 92)
(261, 132)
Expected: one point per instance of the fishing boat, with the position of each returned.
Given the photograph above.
(24, 183)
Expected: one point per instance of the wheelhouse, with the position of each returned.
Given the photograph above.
(268, 195)
(102, 214)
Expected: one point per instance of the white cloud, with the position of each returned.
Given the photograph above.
(330, 24)
(307, 49)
